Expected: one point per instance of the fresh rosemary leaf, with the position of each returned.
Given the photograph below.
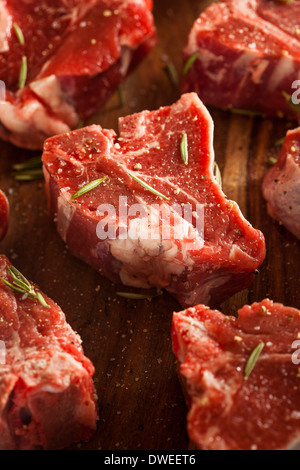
(15, 273)
(80, 124)
(253, 358)
(272, 160)
(19, 34)
(133, 296)
(88, 187)
(34, 162)
(30, 175)
(29, 170)
(217, 174)
(246, 112)
(279, 142)
(11, 286)
(189, 63)
(149, 188)
(288, 98)
(41, 299)
(121, 96)
(23, 72)
(172, 73)
(184, 149)
(22, 286)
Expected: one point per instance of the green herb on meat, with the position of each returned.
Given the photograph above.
(88, 187)
(149, 188)
(184, 149)
(217, 174)
(253, 358)
(19, 34)
(189, 63)
(23, 72)
(21, 285)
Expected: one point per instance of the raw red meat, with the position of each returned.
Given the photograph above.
(281, 186)
(248, 55)
(274, 12)
(78, 52)
(148, 147)
(228, 411)
(47, 396)
(4, 213)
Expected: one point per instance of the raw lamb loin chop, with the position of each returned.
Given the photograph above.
(47, 396)
(240, 376)
(247, 56)
(4, 214)
(281, 186)
(170, 150)
(61, 60)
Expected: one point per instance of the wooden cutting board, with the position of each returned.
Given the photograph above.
(141, 405)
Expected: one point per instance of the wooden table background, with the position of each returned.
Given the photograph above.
(141, 405)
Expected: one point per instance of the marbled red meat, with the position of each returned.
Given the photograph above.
(231, 410)
(248, 55)
(47, 396)
(193, 269)
(77, 52)
(281, 186)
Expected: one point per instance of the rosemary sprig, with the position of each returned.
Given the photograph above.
(149, 188)
(217, 174)
(19, 34)
(21, 285)
(253, 358)
(184, 149)
(23, 72)
(88, 187)
(189, 63)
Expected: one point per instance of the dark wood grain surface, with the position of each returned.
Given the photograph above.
(141, 405)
